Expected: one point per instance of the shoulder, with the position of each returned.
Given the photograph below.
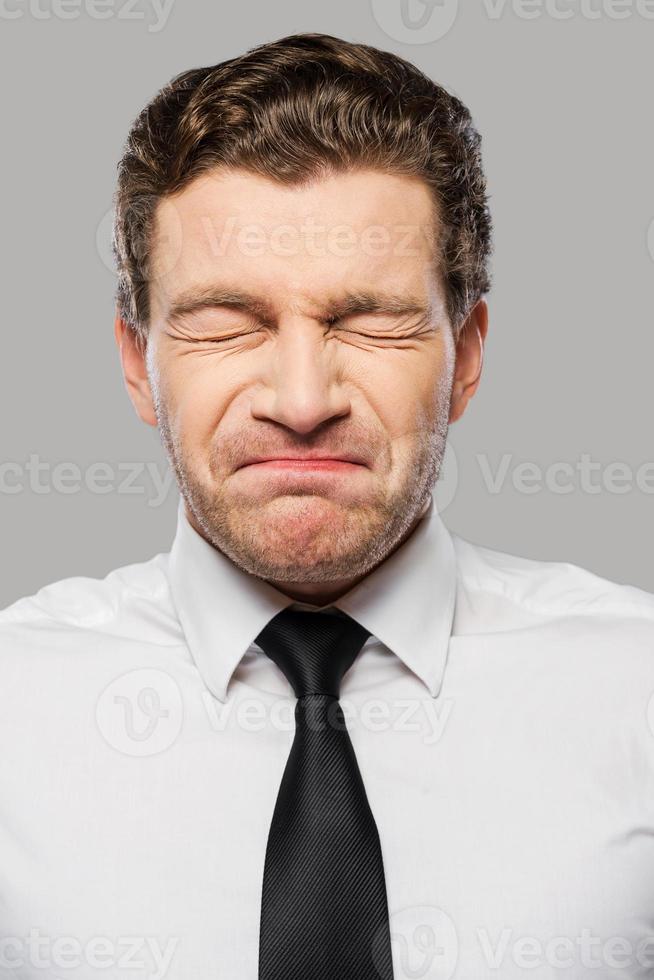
(118, 603)
(548, 589)
(63, 646)
(562, 624)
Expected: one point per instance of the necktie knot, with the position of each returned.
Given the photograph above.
(313, 649)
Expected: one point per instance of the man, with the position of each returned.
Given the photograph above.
(323, 737)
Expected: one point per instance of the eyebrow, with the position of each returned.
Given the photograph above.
(353, 304)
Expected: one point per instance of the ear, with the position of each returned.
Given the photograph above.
(132, 358)
(469, 359)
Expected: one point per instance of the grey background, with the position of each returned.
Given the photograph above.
(564, 108)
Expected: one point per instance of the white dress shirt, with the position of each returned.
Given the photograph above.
(501, 714)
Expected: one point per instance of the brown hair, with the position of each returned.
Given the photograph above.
(292, 110)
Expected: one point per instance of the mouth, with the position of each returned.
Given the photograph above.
(305, 463)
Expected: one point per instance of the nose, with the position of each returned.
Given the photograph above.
(302, 388)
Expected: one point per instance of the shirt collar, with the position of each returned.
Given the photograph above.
(407, 602)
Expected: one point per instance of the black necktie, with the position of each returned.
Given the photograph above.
(324, 914)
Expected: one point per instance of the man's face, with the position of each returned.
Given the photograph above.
(292, 321)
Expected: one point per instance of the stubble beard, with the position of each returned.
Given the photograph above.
(351, 541)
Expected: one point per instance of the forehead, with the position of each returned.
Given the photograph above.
(344, 231)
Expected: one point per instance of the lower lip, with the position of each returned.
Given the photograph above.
(302, 465)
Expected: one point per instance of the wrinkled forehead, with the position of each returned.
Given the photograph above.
(346, 232)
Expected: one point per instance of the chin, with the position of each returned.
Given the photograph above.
(303, 518)
(297, 530)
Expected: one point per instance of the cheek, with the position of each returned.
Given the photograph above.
(198, 394)
(433, 384)
(406, 391)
